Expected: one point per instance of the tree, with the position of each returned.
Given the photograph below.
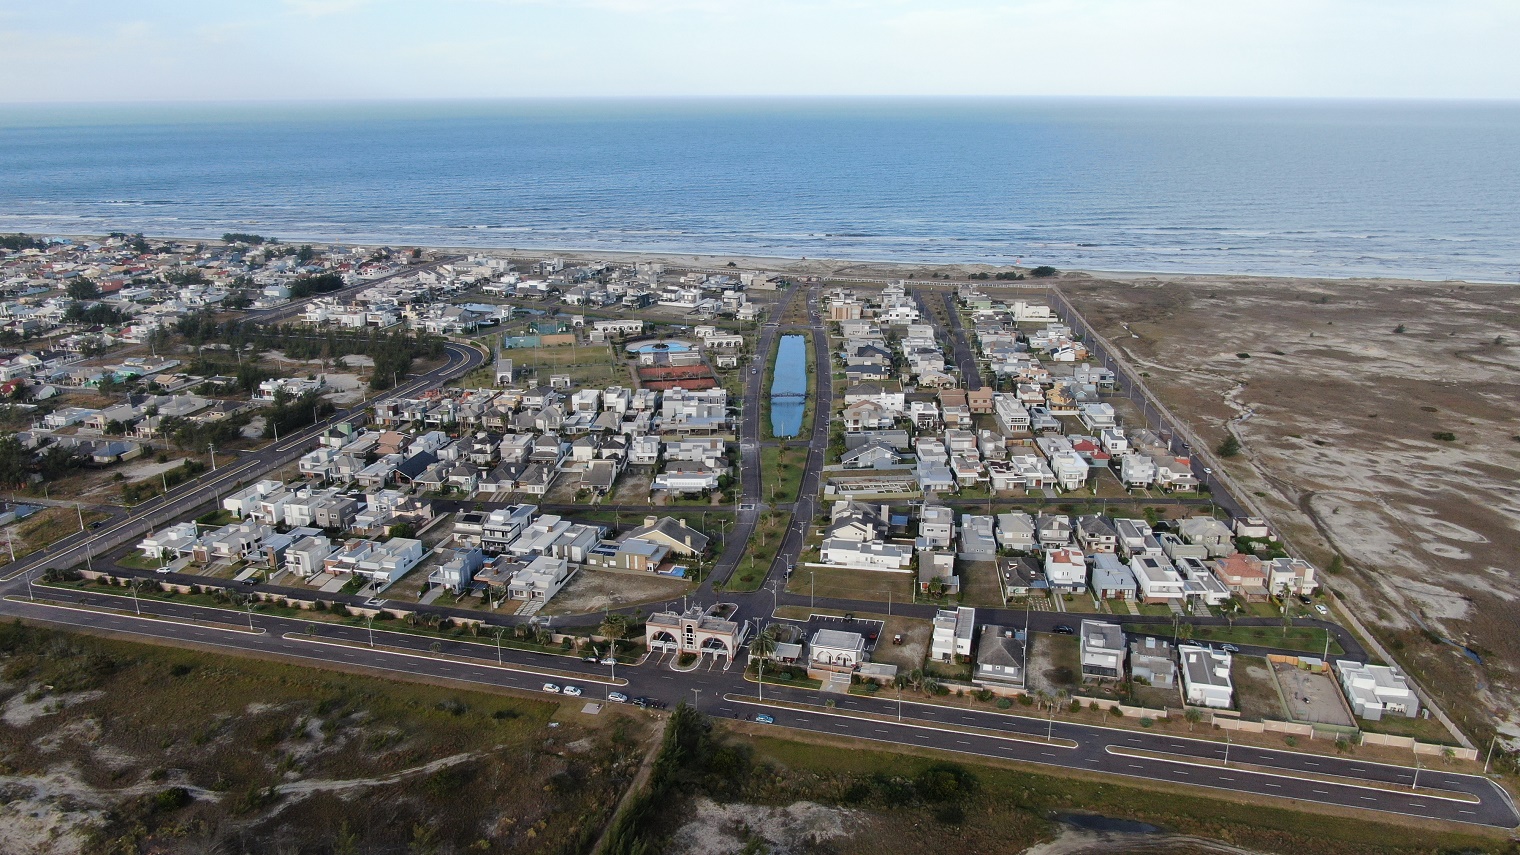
(613, 628)
(81, 288)
(1193, 716)
(765, 643)
(1044, 271)
(1229, 447)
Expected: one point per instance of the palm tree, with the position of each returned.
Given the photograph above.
(765, 643)
(613, 628)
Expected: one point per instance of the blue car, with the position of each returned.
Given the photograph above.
(765, 719)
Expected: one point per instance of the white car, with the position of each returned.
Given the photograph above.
(608, 660)
(573, 691)
(553, 689)
(617, 697)
(1320, 607)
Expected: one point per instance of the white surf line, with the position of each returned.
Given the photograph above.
(150, 616)
(1371, 786)
(445, 658)
(951, 731)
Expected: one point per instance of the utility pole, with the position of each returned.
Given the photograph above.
(212, 448)
(79, 511)
(369, 623)
(695, 696)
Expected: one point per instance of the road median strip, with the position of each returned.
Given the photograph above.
(79, 607)
(458, 660)
(1295, 775)
(920, 724)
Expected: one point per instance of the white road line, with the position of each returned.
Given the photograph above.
(1270, 784)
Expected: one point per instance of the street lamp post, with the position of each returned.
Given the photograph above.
(1416, 784)
(136, 606)
(369, 624)
(498, 645)
(695, 698)
(1226, 748)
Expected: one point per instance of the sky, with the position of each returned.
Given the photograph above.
(234, 50)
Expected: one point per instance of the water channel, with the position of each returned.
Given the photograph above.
(789, 386)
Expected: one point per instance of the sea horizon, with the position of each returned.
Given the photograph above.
(1331, 188)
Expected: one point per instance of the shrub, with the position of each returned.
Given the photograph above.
(1004, 703)
(1145, 721)
(1444, 436)
(1229, 447)
(1242, 356)
(1116, 712)
(1093, 706)
(1044, 271)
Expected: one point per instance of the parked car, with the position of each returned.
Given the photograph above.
(551, 688)
(1320, 607)
(897, 638)
(573, 691)
(588, 658)
(764, 719)
(609, 660)
(1229, 648)
(1304, 598)
(617, 697)
(1064, 629)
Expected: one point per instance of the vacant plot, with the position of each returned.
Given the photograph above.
(1255, 693)
(594, 590)
(1055, 663)
(979, 583)
(852, 584)
(916, 635)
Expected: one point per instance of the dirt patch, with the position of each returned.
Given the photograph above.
(1055, 663)
(1342, 409)
(740, 828)
(1311, 697)
(910, 654)
(1255, 694)
(594, 590)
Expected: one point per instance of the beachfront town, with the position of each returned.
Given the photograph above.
(842, 489)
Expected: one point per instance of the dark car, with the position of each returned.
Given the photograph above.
(1064, 629)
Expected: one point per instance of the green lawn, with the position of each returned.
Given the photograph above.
(1305, 639)
(781, 472)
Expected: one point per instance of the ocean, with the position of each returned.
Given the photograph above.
(1332, 189)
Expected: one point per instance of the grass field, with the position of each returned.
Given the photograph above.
(1305, 639)
(781, 472)
(852, 584)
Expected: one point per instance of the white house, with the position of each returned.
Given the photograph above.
(1206, 676)
(868, 555)
(1066, 569)
(837, 648)
(952, 633)
(1102, 651)
(1377, 689)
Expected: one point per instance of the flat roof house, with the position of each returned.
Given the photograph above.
(1102, 651)
(1206, 676)
(1150, 660)
(837, 648)
(952, 633)
(1376, 690)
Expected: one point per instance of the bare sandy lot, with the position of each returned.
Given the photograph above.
(1380, 420)
(591, 590)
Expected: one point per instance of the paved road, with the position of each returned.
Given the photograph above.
(1348, 782)
(965, 358)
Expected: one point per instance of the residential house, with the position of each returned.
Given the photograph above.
(1210, 533)
(540, 579)
(1151, 662)
(953, 630)
(672, 533)
(1376, 690)
(1158, 580)
(1066, 570)
(1000, 657)
(1111, 580)
(1206, 676)
(1102, 651)
(1016, 531)
(837, 649)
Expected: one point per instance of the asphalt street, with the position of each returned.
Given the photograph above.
(1049, 741)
